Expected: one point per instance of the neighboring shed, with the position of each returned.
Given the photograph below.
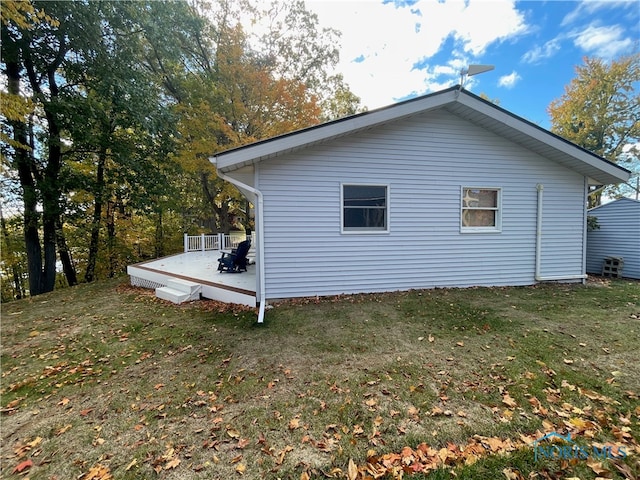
(618, 236)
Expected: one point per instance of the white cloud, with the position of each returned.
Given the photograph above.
(540, 53)
(588, 8)
(509, 81)
(604, 42)
(390, 41)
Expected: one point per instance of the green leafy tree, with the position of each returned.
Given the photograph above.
(112, 108)
(120, 153)
(600, 111)
(103, 132)
(295, 47)
(246, 89)
(24, 69)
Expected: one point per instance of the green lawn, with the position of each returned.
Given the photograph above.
(105, 381)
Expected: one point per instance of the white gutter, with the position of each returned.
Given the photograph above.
(538, 275)
(260, 230)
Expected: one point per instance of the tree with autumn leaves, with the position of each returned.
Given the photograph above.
(113, 108)
(600, 111)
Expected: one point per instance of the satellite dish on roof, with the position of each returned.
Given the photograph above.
(473, 70)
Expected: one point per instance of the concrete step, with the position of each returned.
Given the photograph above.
(184, 286)
(171, 294)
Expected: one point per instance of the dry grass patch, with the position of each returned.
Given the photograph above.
(107, 377)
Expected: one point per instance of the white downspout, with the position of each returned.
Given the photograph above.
(538, 275)
(260, 235)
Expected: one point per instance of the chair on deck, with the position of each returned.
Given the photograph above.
(236, 261)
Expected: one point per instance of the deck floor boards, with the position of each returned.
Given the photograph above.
(202, 267)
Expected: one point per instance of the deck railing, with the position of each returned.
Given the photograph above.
(219, 241)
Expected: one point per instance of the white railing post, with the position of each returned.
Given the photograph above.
(186, 242)
(202, 242)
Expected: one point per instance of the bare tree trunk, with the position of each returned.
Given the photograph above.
(50, 191)
(159, 240)
(65, 256)
(96, 222)
(23, 162)
(111, 237)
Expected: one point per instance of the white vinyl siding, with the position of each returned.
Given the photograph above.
(618, 236)
(425, 160)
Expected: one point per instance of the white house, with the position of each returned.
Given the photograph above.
(618, 236)
(444, 190)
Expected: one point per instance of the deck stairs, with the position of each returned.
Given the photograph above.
(179, 291)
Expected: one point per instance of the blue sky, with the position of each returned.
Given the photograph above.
(397, 49)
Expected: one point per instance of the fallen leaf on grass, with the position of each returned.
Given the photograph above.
(624, 469)
(64, 429)
(508, 401)
(172, 464)
(597, 467)
(98, 472)
(352, 470)
(21, 450)
(12, 405)
(22, 466)
(512, 474)
(436, 411)
(282, 453)
(241, 468)
(131, 465)
(294, 423)
(243, 442)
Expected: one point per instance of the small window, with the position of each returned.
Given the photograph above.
(480, 210)
(365, 208)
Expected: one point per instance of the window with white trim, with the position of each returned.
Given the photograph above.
(365, 208)
(480, 209)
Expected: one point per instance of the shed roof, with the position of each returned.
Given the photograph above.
(454, 100)
(618, 202)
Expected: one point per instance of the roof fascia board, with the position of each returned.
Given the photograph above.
(236, 158)
(544, 136)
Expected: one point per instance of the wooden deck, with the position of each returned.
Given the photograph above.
(201, 268)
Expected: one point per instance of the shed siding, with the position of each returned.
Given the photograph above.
(618, 236)
(425, 160)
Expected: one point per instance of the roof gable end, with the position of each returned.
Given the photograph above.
(459, 102)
